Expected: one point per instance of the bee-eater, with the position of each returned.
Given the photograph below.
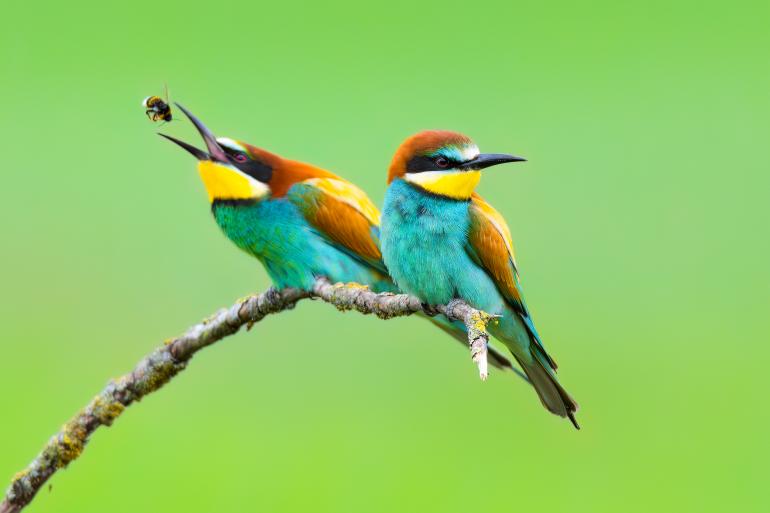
(441, 241)
(302, 222)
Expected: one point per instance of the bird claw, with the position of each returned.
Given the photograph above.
(429, 310)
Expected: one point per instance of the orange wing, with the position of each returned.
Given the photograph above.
(343, 213)
(489, 244)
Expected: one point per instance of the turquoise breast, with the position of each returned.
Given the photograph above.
(423, 238)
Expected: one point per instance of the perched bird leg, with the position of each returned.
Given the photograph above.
(476, 323)
(352, 296)
(430, 310)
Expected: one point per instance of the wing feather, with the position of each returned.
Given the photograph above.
(490, 244)
(343, 213)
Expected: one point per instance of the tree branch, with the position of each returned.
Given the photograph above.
(165, 362)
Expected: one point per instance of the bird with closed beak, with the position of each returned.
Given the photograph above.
(441, 241)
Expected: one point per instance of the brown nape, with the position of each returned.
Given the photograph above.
(423, 143)
(291, 172)
(286, 172)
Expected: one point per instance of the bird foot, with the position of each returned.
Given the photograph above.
(430, 310)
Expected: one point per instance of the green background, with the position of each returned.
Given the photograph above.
(641, 224)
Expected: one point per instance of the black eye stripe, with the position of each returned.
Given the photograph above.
(257, 170)
(424, 163)
(251, 167)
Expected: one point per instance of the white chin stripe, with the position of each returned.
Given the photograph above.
(260, 189)
(427, 177)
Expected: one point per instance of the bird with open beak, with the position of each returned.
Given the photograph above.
(302, 222)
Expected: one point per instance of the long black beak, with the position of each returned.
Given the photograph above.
(215, 150)
(486, 160)
(198, 154)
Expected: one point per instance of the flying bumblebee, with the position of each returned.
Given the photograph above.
(156, 108)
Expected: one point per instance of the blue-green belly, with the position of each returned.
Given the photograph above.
(423, 240)
(292, 251)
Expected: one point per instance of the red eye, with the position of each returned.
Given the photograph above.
(442, 162)
(240, 158)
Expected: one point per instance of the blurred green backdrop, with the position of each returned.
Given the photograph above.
(641, 224)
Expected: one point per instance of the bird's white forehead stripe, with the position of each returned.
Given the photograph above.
(469, 152)
(229, 143)
(461, 153)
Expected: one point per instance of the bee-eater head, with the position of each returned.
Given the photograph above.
(230, 170)
(236, 171)
(443, 163)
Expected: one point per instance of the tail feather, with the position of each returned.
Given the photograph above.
(553, 396)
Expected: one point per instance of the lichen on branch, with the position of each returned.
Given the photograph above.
(165, 362)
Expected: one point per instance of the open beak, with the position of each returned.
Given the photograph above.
(215, 150)
(486, 160)
(198, 154)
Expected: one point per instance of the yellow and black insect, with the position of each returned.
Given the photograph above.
(156, 108)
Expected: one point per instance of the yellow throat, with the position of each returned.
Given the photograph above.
(225, 183)
(453, 184)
